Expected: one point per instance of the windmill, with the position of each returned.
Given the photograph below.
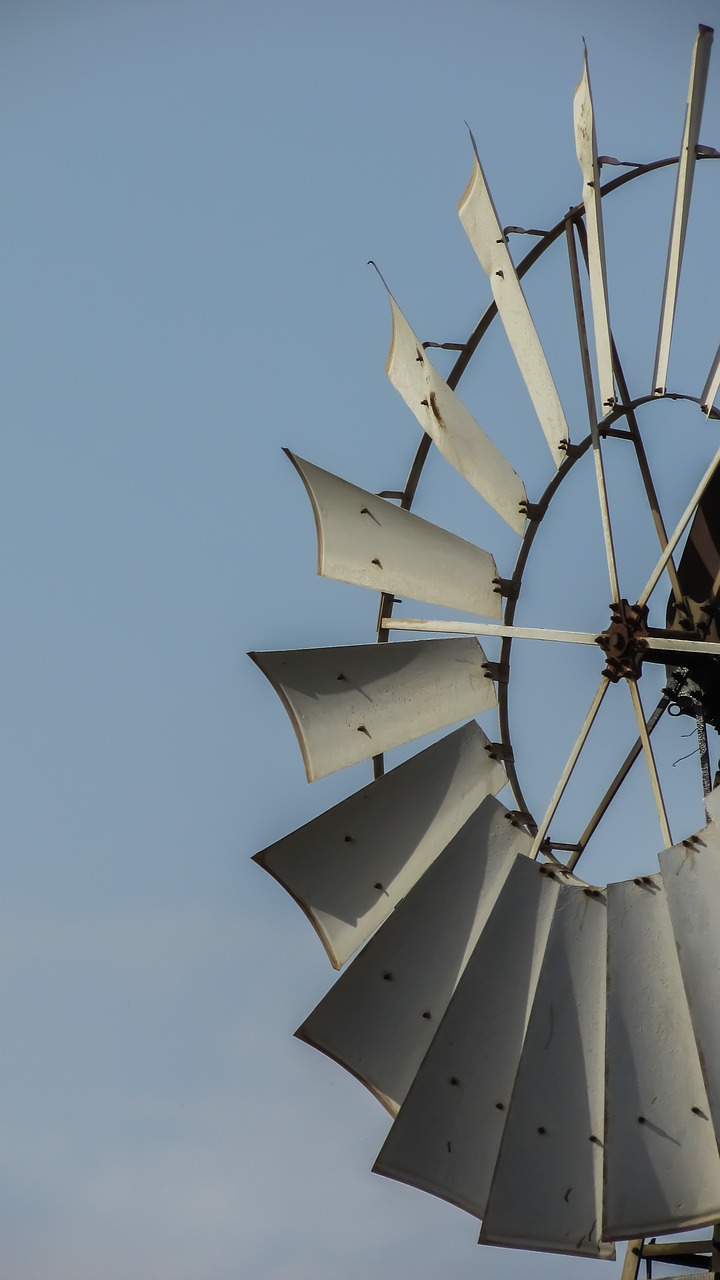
(548, 1047)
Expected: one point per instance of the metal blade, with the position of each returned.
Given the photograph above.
(691, 875)
(379, 1018)
(547, 1189)
(447, 1135)
(351, 866)
(681, 208)
(587, 154)
(460, 439)
(367, 541)
(662, 1170)
(484, 230)
(350, 703)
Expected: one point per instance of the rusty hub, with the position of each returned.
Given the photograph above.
(624, 641)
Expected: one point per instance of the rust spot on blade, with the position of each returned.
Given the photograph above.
(436, 412)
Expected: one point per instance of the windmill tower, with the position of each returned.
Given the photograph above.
(547, 1045)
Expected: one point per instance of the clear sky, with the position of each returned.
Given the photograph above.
(190, 193)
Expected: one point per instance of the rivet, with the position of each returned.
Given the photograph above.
(378, 885)
(499, 1106)
(642, 1120)
(349, 840)
(542, 1129)
(427, 1014)
(454, 1080)
(387, 977)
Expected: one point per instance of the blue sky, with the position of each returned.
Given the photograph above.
(191, 192)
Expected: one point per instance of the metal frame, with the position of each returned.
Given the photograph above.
(572, 226)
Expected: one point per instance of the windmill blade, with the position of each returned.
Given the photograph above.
(367, 541)
(379, 1018)
(662, 1169)
(587, 154)
(547, 1189)
(710, 390)
(349, 703)
(459, 438)
(691, 875)
(681, 208)
(484, 230)
(446, 1138)
(351, 866)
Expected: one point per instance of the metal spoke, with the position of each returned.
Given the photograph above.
(615, 785)
(592, 415)
(679, 530)
(650, 762)
(569, 767)
(632, 422)
(658, 641)
(458, 627)
(682, 644)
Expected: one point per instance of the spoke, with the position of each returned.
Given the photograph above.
(650, 762)
(679, 530)
(567, 771)
(615, 785)
(682, 645)
(590, 397)
(460, 627)
(650, 490)
(632, 422)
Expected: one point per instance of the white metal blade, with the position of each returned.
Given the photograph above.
(691, 874)
(547, 1189)
(379, 1018)
(480, 220)
(681, 208)
(350, 867)
(662, 1169)
(460, 439)
(710, 390)
(447, 1135)
(367, 541)
(587, 154)
(350, 703)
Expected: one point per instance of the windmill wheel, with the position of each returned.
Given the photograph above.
(548, 1047)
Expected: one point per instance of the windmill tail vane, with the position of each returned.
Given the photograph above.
(548, 1048)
